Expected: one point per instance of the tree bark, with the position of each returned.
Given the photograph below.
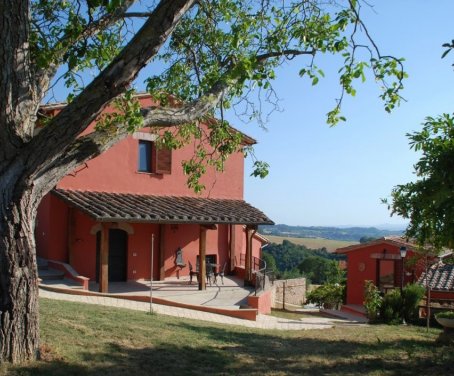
(19, 330)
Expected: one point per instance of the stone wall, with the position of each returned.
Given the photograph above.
(288, 293)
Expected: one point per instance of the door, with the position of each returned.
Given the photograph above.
(118, 253)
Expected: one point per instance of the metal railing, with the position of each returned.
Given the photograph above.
(263, 277)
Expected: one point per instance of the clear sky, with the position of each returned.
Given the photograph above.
(336, 176)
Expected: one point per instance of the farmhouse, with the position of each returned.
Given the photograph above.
(390, 263)
(130, 208)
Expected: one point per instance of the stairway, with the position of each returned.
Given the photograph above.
(48, 274)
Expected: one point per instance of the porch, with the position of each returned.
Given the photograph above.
(120, 237)
(230, 298)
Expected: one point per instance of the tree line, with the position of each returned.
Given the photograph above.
(289, 260)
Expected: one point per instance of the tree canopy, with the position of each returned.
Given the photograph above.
(429, 202)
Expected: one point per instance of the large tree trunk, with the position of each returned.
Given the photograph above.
(19, 329)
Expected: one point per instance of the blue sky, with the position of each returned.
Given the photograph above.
(336, 176)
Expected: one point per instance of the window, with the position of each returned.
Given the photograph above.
(154, 160)
(144, 156)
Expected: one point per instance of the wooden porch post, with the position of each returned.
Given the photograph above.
(250, 231)
(162, 271)
(104, 259)
(202, 254)
(202, 261)
(232, 247)
(71, 234)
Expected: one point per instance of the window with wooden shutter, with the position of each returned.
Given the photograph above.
(163, 160)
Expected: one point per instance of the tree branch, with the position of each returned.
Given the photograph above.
(114, 80)
(45, 76)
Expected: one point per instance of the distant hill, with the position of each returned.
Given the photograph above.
(334, 233)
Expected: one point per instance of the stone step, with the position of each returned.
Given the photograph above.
(42, 264)
(50, 274)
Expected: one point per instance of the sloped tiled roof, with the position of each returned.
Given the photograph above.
(398, 241)
(440, 276)
(125, 207)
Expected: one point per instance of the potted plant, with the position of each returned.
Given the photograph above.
(445, 319)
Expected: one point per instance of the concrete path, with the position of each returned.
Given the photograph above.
(263, 321)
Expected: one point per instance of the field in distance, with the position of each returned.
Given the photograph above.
(312, 243)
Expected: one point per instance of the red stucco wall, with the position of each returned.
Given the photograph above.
(361, 267)
(442, 295)
(116, 171)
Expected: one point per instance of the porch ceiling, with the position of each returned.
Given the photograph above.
(124, 207)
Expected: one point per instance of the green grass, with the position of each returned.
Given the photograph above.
(288, 314)
(91, 340)
(312, 243)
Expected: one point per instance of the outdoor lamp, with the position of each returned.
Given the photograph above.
(403, 251)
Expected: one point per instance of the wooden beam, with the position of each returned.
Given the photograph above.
(162, 271)
(71, 234)
(104, 259)
(232, 247)
(202, 260)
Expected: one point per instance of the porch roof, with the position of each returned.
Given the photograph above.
(126, 207)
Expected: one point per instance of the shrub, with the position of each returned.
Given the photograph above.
(372, 301)
(327, 296)
(445, 315)
(411, 296)
(391, 308)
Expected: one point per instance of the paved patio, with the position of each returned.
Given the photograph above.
(230, 295)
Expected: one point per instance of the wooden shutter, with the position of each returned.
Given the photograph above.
(163, 159)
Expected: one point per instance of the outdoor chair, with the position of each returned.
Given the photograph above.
(192, 272)
(221, 273)
(210, 273)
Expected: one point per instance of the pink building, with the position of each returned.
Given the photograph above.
(105, 217)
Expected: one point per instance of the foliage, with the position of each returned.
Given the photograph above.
(372, 301)
(411, 297)
(366, 239)
(428, 202)
(320, 270)
(270, 261)
(328, 296)
(289, 255)
(290, 274)
(391, 308)
(445, 315)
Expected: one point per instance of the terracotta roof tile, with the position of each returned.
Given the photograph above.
(113, 207)
(441, 277)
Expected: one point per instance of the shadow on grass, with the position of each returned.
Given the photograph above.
(233, 352)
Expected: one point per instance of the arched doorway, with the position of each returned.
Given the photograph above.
(118, 255)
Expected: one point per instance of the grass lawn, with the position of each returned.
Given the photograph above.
(312, 243)
(82, 339)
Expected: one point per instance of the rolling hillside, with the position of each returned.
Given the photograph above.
(312, 243)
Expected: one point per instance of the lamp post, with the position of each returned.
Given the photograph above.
(403, 253)
(151, 273)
